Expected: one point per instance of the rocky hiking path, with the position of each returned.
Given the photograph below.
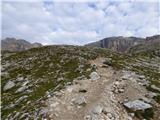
(98, 98)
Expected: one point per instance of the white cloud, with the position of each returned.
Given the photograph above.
(78, 23)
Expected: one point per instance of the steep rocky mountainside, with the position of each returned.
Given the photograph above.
(150, 44)
(122, 44)
(82, 83)
(12, 44)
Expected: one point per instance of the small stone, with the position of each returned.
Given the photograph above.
(109, 115)
(121, 90)
(21, 99)
(117, 83)
(146, 100)
(88, 117)
(105, 111)
(21, 89)
(60, 79)
(25, 83)
(155, 87)
(94, 76)
(69, 83)
(69, 89)
(79, 100)
(97, 109)
(151, 95)
(132, 114)
(54, 104)
(9, 85)
(58, 94)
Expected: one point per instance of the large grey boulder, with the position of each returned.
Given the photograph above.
(94, 76)
(137, 105)
(9, 85)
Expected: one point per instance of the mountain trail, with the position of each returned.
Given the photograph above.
(95, 99)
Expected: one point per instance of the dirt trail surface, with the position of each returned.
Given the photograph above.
(99, 99)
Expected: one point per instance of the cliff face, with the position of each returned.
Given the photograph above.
(12, 44)
(125, 44)
(119, 44)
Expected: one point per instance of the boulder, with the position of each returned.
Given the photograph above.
(94, 76)
(9, 85)
(137, 105)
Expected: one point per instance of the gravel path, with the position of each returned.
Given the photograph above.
(100, 102)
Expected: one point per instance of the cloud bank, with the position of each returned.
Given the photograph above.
(78, 23)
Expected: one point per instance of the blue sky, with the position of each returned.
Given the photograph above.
(78, 23)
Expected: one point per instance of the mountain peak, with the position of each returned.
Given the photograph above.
(13, 44)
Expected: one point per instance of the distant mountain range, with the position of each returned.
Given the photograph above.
(118, 44)
(12, 44)
(123, 44)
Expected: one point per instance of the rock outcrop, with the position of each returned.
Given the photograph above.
(120, 44)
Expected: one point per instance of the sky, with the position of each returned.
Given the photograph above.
(78, 22)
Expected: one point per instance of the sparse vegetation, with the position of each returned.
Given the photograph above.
(47, 69)
(42, 68)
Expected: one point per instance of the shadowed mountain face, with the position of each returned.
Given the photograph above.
(122, 44)
(12, 44)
